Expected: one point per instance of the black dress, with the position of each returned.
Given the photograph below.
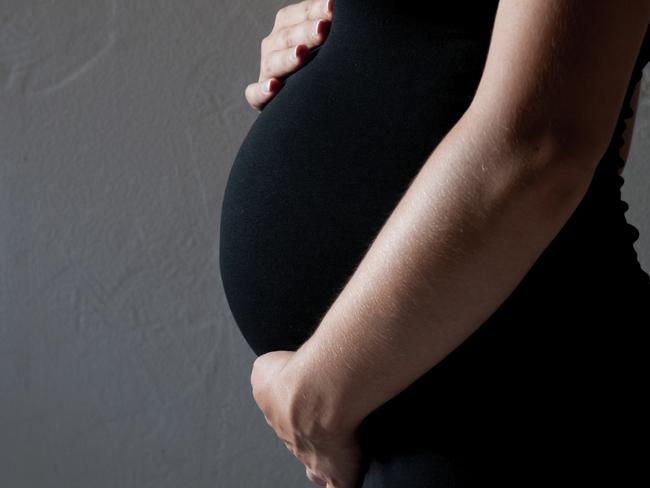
(549, 389)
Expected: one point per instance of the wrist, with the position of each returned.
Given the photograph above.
(316, 404)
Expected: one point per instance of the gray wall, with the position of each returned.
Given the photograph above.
(120, 364)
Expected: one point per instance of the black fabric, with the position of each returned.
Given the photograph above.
(550, 382)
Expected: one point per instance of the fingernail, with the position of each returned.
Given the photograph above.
(326, 6)
(315, 30)
(294, 53)
(267, 86)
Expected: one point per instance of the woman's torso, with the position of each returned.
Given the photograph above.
(327, 160)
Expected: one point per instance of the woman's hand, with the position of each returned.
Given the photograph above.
(332, 457)
(298, 28)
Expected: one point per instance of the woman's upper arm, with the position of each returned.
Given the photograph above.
(558, 70)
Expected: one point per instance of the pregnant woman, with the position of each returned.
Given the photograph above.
(423, 239)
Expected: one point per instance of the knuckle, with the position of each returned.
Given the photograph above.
(279, 15)
(266, 68)
(285, 37)
(265, 43)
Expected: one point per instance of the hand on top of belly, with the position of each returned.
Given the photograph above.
(298, 29)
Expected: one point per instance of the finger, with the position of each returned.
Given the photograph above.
(315, 479)
(291, 48)
(257, 97)
(301, 11)
(309, 32)
(279, 64)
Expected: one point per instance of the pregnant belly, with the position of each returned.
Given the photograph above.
(323, 166)
(317, 175)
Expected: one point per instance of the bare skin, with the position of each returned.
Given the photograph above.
(298, 29)
(484, 206)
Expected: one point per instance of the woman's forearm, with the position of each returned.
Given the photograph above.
(474, 220)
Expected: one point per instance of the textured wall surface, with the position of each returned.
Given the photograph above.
(120, 365)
